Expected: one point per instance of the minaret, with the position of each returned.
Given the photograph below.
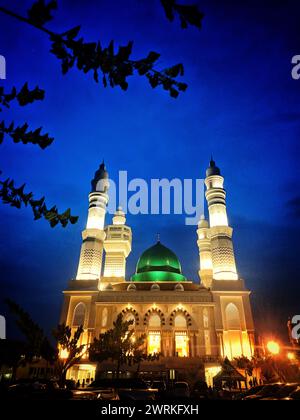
(117, 247)
(204, 245)
(90, 262)
(223, 260)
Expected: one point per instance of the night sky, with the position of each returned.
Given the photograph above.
(242, 105)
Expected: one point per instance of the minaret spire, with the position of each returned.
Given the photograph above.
(220, 232)
(90, 262)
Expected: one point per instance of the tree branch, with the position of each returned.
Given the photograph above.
(24, 97)
(16, 197)
(21, 134)
(115, 67)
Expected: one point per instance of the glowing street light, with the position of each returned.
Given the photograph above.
(63, 354)
(291, 356)
(273, 347)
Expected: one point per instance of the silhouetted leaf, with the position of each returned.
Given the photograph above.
(21, 134)
(16, 197)
(188, 14)
(40, 12)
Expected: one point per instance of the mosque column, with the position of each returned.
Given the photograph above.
(223, 260)
(205, 256)
(90, 262)
(117, 246)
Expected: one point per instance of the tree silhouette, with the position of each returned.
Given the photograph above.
(120, 345)
(37, 345)
(69, 343)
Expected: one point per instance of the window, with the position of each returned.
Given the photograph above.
(181, 344)
(79, 315)
(207, 342)
(154, 321)
(180, 321)
(104, 317)
(232, 317)
(154, 342)
(205, 318)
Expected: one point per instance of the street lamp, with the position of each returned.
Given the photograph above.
(63, 354)
(273, 347)
(291, 356)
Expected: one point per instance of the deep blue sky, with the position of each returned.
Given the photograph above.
(241, 105)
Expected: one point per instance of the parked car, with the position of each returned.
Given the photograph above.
(283, 392)
(267, 391)
(181, 390)
(251, 391)
(41, 390)
(200, 390)
(161, 388)
(112, 388)
(105, 394)
(295, 395)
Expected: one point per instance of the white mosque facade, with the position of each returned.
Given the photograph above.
(192, 325)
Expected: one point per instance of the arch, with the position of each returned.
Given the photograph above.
(154, 311)
(180, 321)
(205, 318)
(232, 317)
(179, 287)
(154, 321)
(184, 313)
(79, 315)
(130, 312)
(155, 287)
(131, 287)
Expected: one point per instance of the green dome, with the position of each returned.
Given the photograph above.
(158, 263)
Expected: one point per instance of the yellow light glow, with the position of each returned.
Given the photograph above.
(210, 373)
(129, 306)
(179, 306)
(291, 356)
(63, 354)
(154, 342)
(154, 306)
(273, 347)
(181, 345)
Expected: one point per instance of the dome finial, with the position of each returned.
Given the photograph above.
(212, 169)
(101, 175)
(157, 237)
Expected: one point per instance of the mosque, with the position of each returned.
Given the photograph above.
(192, 325)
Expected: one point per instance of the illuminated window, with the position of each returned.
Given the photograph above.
(154, 342)
(207, 342)
(205, 318)
(79, 315)
(180, 321)
(232, 317)
(104, 317)
(181, 344)
(154, 321)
